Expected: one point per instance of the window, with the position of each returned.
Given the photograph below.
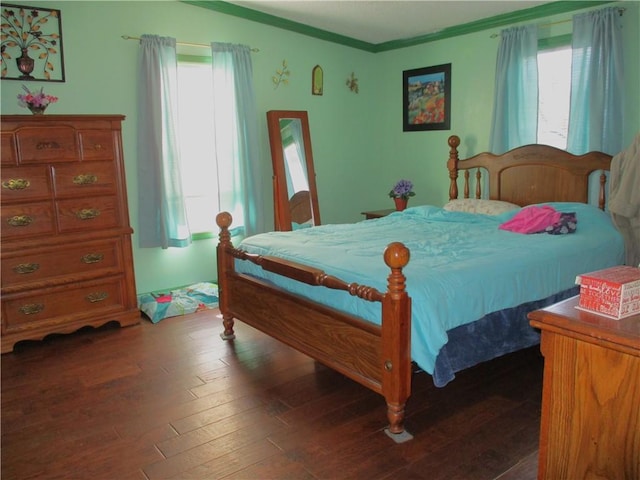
(554, 93)
(196, 143)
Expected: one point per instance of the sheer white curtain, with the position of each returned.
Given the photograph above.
(597, 83)
(515, 106)
(162, 213)
(237, 155)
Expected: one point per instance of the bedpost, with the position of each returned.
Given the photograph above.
(396, 342)
(601, 196)
(225, 266)
(452, 165)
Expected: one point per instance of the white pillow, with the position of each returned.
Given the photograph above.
(473, 205)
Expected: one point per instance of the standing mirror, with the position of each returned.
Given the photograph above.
(294, 179)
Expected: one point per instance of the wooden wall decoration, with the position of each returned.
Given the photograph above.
(317, 80)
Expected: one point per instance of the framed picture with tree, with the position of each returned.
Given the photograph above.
(31, 44)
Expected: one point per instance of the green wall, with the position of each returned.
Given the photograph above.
(358, 143)
(421, 156)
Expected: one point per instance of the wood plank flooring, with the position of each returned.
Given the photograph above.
(172, 400)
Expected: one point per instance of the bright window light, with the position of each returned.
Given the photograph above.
(554, 92)
(196, 145)
(295, 172)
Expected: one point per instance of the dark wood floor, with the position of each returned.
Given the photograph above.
(172, 400)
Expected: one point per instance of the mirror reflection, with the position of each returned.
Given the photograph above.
(293, 150)
(294, 188)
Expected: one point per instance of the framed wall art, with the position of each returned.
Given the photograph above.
(426, 98)
(31, 44)
(317, 80)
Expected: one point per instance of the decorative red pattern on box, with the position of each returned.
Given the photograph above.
(614, 292)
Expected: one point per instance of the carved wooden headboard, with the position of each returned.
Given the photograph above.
(529, 174)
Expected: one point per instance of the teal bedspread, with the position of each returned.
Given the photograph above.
(462, 267)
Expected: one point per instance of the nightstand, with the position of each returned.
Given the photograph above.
(591, 393)
(377, 213)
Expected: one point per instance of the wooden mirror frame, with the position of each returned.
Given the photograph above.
(285, 206)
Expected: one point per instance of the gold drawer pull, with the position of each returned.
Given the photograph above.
(97, 146)
(31, 308)
(47, 145)
(23, 268)
(87, 213)
(97, 297)
(92, 258)
(16, 184)
(85, 179)
(20, 221)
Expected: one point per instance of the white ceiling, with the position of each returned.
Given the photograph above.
(379, 21)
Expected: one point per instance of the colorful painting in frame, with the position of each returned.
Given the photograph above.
(31, 44)
(426, 98)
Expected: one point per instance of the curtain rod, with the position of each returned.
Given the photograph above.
(185, 44)
(620, 11)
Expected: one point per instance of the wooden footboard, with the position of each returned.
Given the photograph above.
(378, 357)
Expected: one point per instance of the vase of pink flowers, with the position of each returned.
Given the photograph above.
(36, 102)
(401, 192)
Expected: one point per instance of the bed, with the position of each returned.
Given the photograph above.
(380, 305)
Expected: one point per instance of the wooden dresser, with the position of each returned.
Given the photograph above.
(66, 239)
(590, 426)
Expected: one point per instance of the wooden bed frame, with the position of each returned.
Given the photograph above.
(379, 357)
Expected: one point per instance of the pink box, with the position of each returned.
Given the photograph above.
(613, 292)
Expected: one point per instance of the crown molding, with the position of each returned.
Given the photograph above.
(528, 14)
(519, 16)
(278, 22)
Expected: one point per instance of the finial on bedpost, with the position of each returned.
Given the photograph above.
(396, 256)
(223, 220)
(225, 267)
(452, 166)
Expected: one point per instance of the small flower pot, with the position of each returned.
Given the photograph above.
(401, 203)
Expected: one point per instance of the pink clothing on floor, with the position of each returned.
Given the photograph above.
(532, 219)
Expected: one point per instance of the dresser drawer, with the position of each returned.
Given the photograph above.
(27, 269)
(51, 144)
(8, 154)
(84, 178)
(25, 183)
(60, 306)
(96, 145)
(27, 220)
(93, 213)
